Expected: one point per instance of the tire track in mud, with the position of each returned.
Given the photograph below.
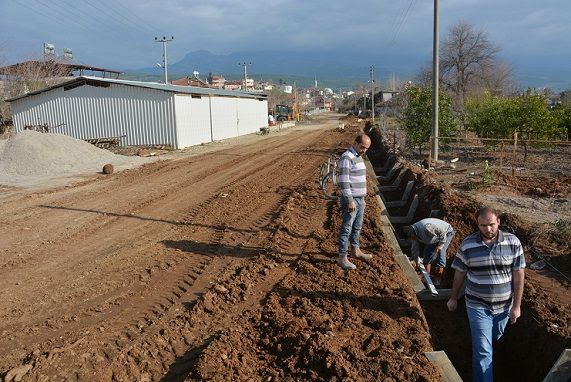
(259, 222)
(184, 186)
(186, 275)
(289, 239)
(218, 238)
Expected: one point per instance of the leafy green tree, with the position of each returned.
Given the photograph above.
(501, 117)
(566, 97)
(416, 116)
(564, 117)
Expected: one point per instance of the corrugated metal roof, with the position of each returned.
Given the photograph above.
(149, 85)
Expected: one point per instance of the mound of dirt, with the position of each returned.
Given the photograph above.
(31, 154)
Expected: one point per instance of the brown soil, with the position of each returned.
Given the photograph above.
(219, 266)
(537, 210)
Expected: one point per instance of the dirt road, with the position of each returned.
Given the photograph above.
(210, 267)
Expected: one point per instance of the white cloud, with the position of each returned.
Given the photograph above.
(120, 33)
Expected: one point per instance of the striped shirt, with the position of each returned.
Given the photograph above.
(352, 175)
(489, 270)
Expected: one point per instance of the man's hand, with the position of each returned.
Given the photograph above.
(352, 206)
(514, 314)
(452, 304)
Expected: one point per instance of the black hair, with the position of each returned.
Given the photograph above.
(485, 211)
(407, 231)
(359, 138)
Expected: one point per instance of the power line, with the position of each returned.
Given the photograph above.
(111, 15)
(397, 20)
(53, 13)
(139, 20)
(73, 10)
(402, 22)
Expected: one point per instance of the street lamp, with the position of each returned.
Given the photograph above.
(373, 92)
(165, 65)
(245, 64)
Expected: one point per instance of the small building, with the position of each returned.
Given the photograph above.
(52, 68)
(218, 82)
(233, 85)
(191, 81)
(142, 113)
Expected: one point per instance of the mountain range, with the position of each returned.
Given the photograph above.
(330, 69)
(338, 69)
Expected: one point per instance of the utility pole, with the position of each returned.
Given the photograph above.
(295, 110)
(164, 40)
(435, 83)
(373, 92)
(245, 64)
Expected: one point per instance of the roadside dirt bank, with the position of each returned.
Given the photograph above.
(531, 346)
(218, 266)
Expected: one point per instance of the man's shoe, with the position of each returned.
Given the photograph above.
(344, 263)
(363, 256)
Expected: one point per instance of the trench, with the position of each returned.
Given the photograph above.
(528, 351)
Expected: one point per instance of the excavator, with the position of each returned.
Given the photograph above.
(283, 113)
(286, 113)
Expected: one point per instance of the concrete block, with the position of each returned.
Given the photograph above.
(442, 362)
(561, 371)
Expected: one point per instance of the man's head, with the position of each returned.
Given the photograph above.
(362, 144)
(408, 232)
(488, 223)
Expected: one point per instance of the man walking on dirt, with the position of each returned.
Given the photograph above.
(353, 185)
(492, 263)
(435, 235)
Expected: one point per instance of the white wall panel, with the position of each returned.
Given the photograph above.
(192, 120)
(252, 115)
(224, 117)
(145, 116)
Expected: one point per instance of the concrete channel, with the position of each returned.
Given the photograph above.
(390, 178)
(437, 358)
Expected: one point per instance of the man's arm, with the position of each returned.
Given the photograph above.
(414, 250)
(344, 182)
(459, 278)
(518, 282)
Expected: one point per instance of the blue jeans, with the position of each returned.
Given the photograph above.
(486, 328)
(428, 253)
(351, 225)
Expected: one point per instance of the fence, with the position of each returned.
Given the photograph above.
(515, 156)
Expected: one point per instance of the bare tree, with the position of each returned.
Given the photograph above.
(468, 63)
(497, 80)
(28, 76)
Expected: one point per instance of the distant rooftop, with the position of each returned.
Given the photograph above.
(105, 82)
(51, 68)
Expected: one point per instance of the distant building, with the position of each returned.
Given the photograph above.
(51, 68)
(233, 85)
(388, 95)
(191, 81)
(141, 113)
(249, 83)
(218, 82)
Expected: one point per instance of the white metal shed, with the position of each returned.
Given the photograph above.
(144, 113)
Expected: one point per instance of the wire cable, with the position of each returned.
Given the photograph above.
(403, 21)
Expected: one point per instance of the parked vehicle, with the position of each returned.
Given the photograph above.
(283, 113)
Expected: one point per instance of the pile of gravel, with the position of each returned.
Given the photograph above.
(33, 154)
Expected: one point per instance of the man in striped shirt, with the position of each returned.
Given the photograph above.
(353, 185)
(492, 264)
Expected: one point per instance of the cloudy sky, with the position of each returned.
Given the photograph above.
(121, 33)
